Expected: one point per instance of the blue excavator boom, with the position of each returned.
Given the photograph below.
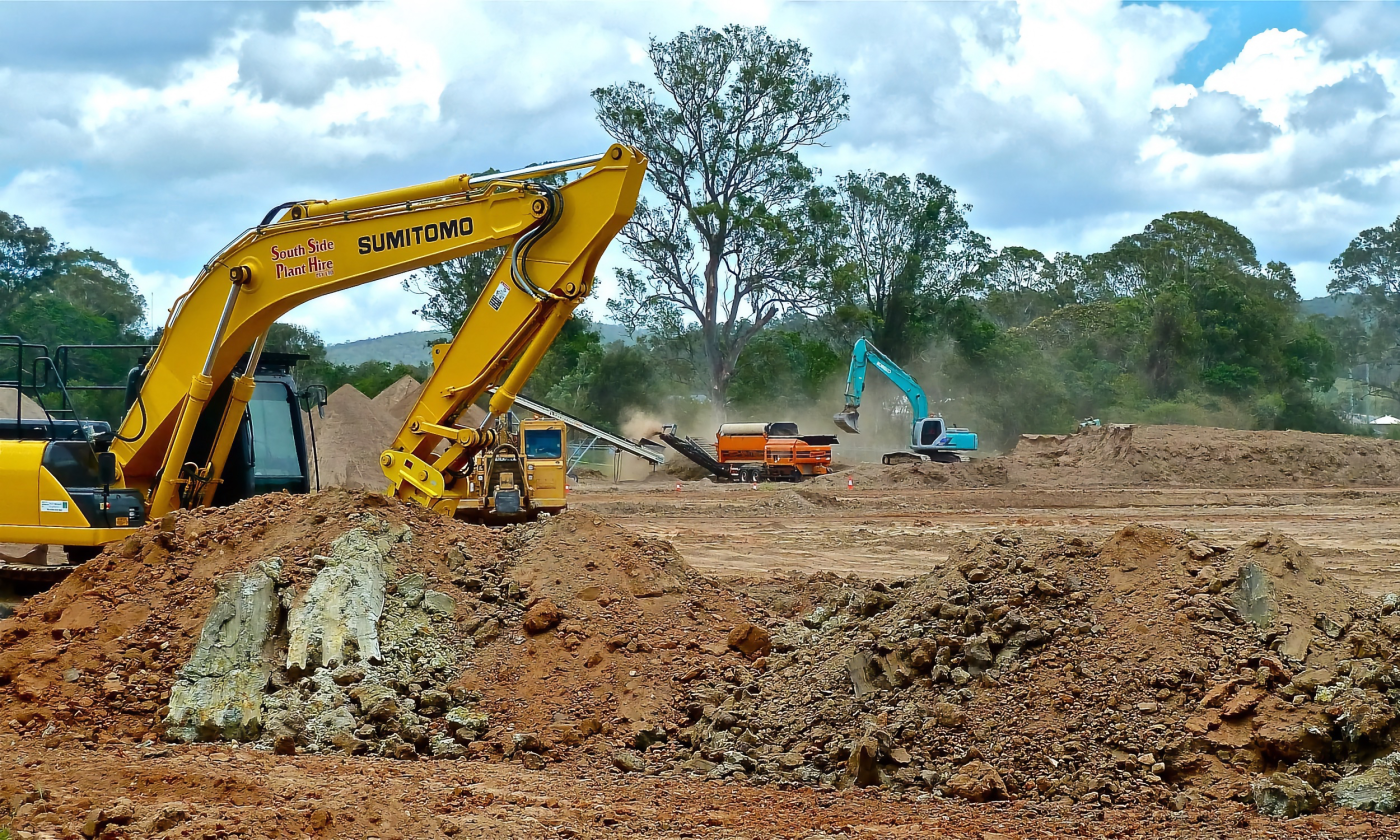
(929, 435)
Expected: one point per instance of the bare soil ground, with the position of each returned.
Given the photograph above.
(79, 704)
(733, 530)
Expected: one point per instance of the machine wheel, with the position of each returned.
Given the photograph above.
(890, 459)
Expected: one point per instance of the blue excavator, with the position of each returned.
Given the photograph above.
(931, 438)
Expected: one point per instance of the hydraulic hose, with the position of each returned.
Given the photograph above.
(140, 405)
(554, 208)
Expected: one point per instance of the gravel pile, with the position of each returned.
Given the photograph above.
(1154, 668)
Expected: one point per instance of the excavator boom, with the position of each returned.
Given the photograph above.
(304, 250)
(863, 354)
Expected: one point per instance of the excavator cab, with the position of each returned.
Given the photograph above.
(269, 452)
(929, 432)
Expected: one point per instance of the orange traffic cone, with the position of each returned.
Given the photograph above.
(678, 487)
(850, 483)
(755, 484)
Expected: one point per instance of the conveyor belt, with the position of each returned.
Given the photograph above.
(628, 446)
(692, 449)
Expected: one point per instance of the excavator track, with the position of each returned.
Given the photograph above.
(25, 573)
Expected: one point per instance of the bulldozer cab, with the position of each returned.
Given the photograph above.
(543, 444)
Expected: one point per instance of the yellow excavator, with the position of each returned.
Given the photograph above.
(71, 483)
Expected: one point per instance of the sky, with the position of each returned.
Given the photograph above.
(156, 132)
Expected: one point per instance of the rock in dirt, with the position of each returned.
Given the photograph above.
(337, 619)
(629, 762)
(1375, 789)
(1284, 796)
(543, 616)
(863, 766)
(120, 813)
(219, 693)
(978, 781)
(751, 640)
(163, 817)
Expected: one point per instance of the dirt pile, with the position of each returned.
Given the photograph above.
(1154, 456)
(350, 439)
(96, 657)
(977, 473)
(350, 624)
(12, 401)
(1155, 668)
(1195, 456)
(395, 401)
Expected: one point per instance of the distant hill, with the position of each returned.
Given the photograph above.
(1329, 307)
(411, 348)
(616, 332)
(408, 348)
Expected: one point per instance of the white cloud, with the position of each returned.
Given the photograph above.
(159, 288)
(1215, 123)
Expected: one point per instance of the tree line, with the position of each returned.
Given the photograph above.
(752, 279)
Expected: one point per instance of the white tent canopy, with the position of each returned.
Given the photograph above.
(1386, 421)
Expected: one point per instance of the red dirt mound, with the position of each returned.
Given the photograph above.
(98, 653)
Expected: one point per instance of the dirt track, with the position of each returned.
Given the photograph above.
(879, 533)
(235, 794)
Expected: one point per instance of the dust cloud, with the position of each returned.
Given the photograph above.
(640, 424)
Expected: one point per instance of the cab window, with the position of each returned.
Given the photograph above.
(544, 443)
(932, 431)
(274, 441)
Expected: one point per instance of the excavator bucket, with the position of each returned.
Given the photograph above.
(848, 420)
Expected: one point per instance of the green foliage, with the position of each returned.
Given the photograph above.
(781, 369)
(453, 287)
(294, 338)
(592, 382)
(1177, 323)
(1011, 386)
(369, 378)
(1370, 266)
(1022, 284)
(739, 230)
(904, 253)
(1368, 273)
(54, 295)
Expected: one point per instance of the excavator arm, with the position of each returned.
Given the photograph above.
(862, 355)
(313, 248)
